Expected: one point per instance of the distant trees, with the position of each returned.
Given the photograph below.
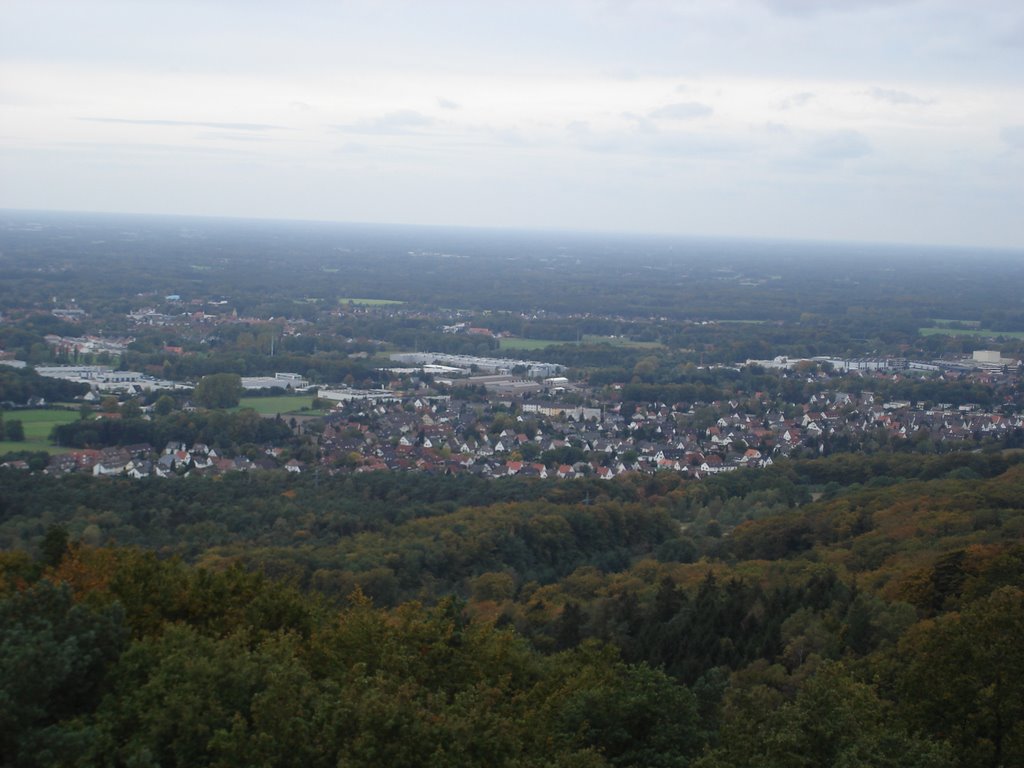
(19, 385)
(164, 405)
(12, 430)
(218, 390)
(221, 429)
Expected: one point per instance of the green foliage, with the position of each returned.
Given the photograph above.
(164, 405)
(14, 430)
(54, 546)
(221, 429)
(597, 631)
(218, 390)
(54, 656)
(962, 679)
(206, 682)
(632, 715)
(21, 385)
(833, 721)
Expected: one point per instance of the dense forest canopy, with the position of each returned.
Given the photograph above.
(552, 621)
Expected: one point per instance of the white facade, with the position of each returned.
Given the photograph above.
(533, 368)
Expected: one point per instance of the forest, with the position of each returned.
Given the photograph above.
(844, 611)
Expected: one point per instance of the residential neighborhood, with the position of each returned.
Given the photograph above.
(574, 431)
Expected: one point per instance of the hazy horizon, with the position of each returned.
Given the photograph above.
(911, 249)
(880, 121)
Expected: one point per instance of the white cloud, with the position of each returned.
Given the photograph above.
(1013, 135)
(797, 100)
(899, 98)
(842, 96)
(816, 7)
(399, 121)
(683, 110)
(184, 123)
(840, 145)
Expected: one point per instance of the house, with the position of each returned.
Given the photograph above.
(138, 469)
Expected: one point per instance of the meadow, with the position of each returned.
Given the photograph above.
(37, 424)
(615, 341)
(979, 332)
(369, 302)
(282, 404)
(529, 344)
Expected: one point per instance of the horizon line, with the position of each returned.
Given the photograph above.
(526, 230)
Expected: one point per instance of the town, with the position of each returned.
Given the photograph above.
(455, 414)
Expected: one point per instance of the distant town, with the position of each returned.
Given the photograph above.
(498, 417)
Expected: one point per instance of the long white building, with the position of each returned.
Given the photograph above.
(500, 365)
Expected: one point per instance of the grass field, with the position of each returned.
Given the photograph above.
(947, 320)
(369, 302)
(970, 332)
(271, 406)
(615, 341)
(37, 424)
(529, 344)
(619, 341)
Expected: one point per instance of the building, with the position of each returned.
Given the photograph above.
(494, 365)
(366, 395)
(283, 380)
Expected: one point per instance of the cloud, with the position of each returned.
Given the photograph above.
(400, 121)
(683, 110)
(444, 103)
(840, 145)
(899, 98)
(186, 123)
(217, 136)
(1013, 135)
(814, 7)
(1014, 38)
(641, 123)
(776, 129)
(113, 150)
(797, 100)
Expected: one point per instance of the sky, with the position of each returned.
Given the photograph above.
(862, 120)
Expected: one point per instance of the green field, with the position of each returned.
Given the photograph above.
(37, 423)
(970, 332)
(271, 406)
(615, 341)
(619, 341)
(369, 302)
(529, 344)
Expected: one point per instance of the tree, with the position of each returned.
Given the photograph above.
(15, 431)
(54, 545)
(219, 390)
(833, 721)
(631, 715)
(164, 405)
(964, 679)
(55, 654)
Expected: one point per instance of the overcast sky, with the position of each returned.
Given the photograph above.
(874, 120)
